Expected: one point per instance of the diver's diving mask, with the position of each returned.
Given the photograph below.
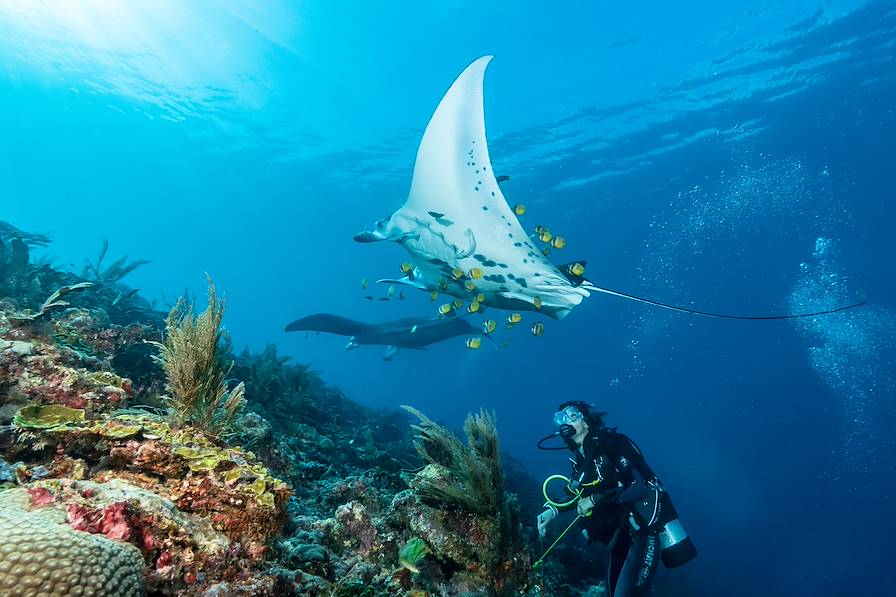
(567, 416)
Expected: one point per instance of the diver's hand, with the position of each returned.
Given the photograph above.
(544, 519)
(585, 505)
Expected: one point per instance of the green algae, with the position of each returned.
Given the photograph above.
(258, 486)
(120, 431)
(232, 476)
(48, 416)
(412, 552)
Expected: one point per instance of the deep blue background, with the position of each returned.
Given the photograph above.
(692, 152)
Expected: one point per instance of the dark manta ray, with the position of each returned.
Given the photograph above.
(411, 332)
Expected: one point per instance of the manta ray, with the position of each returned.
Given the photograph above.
(412, 332)
(456, 220)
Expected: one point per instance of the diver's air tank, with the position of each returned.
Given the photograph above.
(676, 548)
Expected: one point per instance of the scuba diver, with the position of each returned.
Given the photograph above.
(619, 500)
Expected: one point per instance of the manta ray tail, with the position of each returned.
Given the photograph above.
(331, 324)
(589, 286)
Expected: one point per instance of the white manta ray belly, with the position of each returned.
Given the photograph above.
(456, 217)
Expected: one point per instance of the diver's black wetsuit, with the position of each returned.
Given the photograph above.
(612, 469)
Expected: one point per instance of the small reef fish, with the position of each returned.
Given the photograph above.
(536, 302)
(545, 251)
(480, 298)
(558, 242)
(474, 273)
(576, 269)
(537, 329)
(433, 295)
(489, 326)
(470, 287)
(457, 303)
(539, 230)
(473, 307)
(474, 343)
(457, 273)
(408, 268)
(514, 318)
(519, 209)
(445, 309)
(545, 236)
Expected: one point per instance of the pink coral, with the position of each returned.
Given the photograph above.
(40, 496)
(111, 521)
(114, 522)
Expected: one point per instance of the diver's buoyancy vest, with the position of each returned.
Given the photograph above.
(654, 510)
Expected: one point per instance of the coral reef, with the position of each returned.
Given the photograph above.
(189, 485)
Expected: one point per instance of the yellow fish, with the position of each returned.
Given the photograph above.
(576, 269)
(391, 291)
(519, 209)
(457, 303)
(480, 298)
(545, 236)
(407, 267)
(469, 286)
(364, 283)
(514, 318)
(443, 284)
(445, 309)
(545, 251)
(537, 302)
(433, 295)
(558, 242)
(489, 326)
(474, 343)
(457, 273)
(538, 329)
(473, 307)
(475, 273)
(540, 229)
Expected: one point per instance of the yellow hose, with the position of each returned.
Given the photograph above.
(577, 493)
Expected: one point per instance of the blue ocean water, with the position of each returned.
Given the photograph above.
(734, 157)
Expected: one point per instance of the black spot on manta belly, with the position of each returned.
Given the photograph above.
(522, 282)
(517, 244)
(497, 278)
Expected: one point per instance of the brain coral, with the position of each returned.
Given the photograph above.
(41, 555)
